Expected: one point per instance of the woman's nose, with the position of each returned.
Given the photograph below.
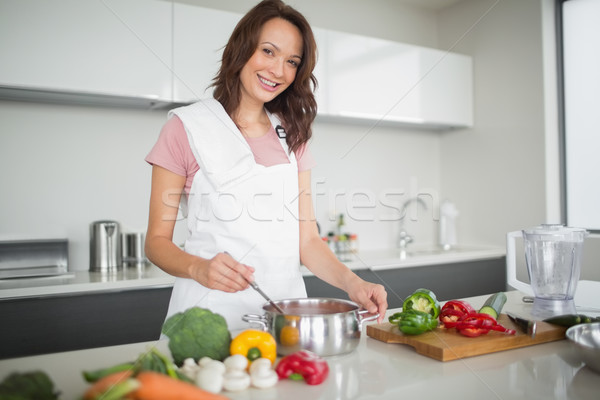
(277, 67)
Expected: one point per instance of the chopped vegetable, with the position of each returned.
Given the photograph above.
(493, 305)
(413, 322)
(28, 385)
(453, 311)
(305, 365)
(450, 317)
(478, 324)
(254, 344)
(423, 300)
(156, 386)
(459, 305)
(197, 333)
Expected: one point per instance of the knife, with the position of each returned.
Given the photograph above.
(526, 325)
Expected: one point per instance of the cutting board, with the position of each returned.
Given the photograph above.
(447, 344)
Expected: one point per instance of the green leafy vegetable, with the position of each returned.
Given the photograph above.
(34, 385)
(196, 333)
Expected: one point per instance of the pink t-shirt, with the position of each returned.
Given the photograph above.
(172, 151)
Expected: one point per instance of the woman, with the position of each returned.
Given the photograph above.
(242, 163)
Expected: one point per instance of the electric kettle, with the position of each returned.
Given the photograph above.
(105, 246)
(553, 257)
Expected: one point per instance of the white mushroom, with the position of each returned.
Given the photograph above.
(262, 375)
(190, 368)
(236, 380)
(216, 365)
(210, 379)
(204, 360)
(236, 362)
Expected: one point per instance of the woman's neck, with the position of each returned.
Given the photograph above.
(252, 121)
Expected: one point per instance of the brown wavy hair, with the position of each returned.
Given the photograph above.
(296, 106)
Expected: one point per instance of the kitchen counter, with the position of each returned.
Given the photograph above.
(416, 256)
(376, 370)
(139, 277)
(149, 275)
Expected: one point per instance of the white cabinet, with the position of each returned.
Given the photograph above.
(127, 50)
(116, 47)
(379, 80)
(320, 72)
(199, 36)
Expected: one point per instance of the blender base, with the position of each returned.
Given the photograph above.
(546, 308)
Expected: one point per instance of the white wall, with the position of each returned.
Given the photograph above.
(503, 173)
(495, 171)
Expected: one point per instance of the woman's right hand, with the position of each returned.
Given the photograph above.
(222, 272)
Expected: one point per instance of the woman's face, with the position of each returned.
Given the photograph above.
(273, 66)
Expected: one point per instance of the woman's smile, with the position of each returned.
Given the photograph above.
(269, 84)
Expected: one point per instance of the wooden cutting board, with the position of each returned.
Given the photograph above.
(447, 344)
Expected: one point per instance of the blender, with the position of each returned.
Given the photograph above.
(553, 257)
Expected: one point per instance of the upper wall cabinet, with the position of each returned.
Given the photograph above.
(156, 53)
(388, 82)
(116, 47)
(199, 37)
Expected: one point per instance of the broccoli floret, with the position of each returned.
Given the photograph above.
(29, 385)
(196, 333)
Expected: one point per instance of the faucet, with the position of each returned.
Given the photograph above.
(403, 237)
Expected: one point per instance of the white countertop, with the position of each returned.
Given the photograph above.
(152, 276)
(84, 281)
(376, 370)
(419, 256)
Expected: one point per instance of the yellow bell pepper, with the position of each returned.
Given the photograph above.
(254, 344)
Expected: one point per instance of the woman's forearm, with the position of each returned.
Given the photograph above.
(322, 262)
(169, 257)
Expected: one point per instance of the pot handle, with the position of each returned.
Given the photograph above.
(258, 319)
(366, 319)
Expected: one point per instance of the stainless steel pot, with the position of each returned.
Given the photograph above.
(324, 326)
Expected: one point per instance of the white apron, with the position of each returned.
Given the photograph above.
(238, 206)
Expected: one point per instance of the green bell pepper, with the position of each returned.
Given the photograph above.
(423, 300)
(413, 322)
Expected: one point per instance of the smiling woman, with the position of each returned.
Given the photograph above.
(248, 218)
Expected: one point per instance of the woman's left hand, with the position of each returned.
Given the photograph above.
(371, 296)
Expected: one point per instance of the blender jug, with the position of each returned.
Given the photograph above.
(553, 257)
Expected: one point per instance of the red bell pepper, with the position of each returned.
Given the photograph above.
(305, 365)
(459, 305)
(477, 324)
(453, 311)
(450, 317)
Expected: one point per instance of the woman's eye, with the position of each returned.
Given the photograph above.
(294, 63)
(268, 51)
